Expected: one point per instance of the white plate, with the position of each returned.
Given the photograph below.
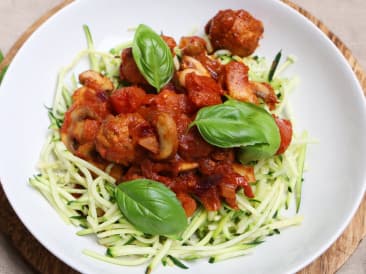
(329, 103)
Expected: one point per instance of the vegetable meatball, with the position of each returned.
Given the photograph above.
(237, 31)
(129, 71)
(116, 140)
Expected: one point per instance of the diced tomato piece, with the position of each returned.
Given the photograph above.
(170, 42)
(202, 90)
(285, 128)
(211, 199)
(227, 190)
(188, 203)
(127, 99)
(170, 102)
(192, 146)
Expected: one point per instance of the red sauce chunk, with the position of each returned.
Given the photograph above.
(203, 91)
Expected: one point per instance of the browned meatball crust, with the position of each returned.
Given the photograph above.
(237, 31)
(116, 140)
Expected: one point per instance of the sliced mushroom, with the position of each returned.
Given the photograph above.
(236, 81)
(190, 62)
(168, 136)
(96, 81)
(82, 113)
(73, 125)
(85, 151)
(266, 92)
(189, 65)
(187, 166)
(246, 171)
(150, 143)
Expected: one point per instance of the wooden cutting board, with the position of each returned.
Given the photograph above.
(43, 261)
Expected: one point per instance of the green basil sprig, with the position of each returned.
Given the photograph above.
(236, 124)
(152, 56)
(151, 207)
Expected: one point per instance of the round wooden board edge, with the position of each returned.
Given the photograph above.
(328, 262)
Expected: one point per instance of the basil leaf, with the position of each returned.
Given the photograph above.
(242, 125)
(262, 151)
(232, 124)
(152, 56)
(257, 152)
(151, 207)
(1, 56)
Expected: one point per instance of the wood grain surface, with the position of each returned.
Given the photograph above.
(42, 261)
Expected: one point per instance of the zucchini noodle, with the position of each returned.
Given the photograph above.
(83, 194)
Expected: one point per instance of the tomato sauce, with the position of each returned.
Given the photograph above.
(147, 135)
